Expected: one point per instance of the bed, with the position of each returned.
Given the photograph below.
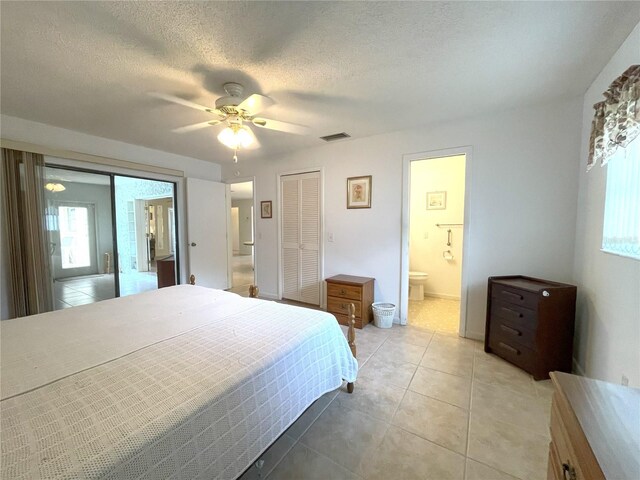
(183, 382)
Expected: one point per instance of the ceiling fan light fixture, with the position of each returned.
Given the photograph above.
(235, 136)
(55, 187)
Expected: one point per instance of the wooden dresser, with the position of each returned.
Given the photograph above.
(530, 323)
(166, 268)
(595, 430)
(345, 289)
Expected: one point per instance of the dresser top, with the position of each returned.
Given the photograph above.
(609, 416)
(528, 283)
(350, 279)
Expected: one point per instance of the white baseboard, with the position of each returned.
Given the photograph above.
(442, 295)
(268, 296)
(577, 368)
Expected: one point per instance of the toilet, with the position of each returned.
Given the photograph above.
(416, 285)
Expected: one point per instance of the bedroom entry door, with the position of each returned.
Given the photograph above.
(301, 237)
(207, 232)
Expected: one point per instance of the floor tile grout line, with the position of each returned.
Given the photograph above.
(331, 459)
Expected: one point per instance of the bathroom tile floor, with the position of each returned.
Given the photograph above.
(426, 405)
(438, 314)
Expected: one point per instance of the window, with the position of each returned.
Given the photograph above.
(621, 231)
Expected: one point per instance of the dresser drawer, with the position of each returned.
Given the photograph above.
(341, 306)
(344, 291)
(514, 314)
(564, 455)
(515, 296)
(513, 352)
(513, 331)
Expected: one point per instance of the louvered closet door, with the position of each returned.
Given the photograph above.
(301, 237)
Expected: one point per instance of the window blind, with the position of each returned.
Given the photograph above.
(621, 231)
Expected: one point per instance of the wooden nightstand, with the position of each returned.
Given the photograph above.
(345, 289)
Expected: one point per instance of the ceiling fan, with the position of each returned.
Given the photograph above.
(235, 110)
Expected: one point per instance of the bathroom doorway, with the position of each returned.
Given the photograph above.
(242, 264)
(434, 240)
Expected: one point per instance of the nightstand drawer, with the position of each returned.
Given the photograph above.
(344, 291)
(344, 320)
(341, 306)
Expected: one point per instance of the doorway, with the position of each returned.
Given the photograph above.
(433, 294)
(242, 237)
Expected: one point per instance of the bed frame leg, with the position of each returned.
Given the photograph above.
(253, 291)
(351, 338)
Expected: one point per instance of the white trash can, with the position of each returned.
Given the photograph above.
(383, 314)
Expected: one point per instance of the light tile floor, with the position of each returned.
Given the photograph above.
(75, 291)
(243, 275)
(426, 405)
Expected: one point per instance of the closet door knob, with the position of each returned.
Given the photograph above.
(193, 244)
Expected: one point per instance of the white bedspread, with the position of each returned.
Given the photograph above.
(184, 382)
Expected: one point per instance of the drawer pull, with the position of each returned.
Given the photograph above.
(343, 292)
(510, 330)
(512, 312)
(344, 306)
(510, 348)
(567, 469)
(513, 295)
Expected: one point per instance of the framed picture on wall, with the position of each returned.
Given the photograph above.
(359, 192)
(436, 200)
(265, 209)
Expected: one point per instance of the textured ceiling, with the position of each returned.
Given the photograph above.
(360, 67)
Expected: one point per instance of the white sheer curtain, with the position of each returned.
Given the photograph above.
(621, 232)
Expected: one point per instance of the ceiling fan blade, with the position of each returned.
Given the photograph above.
(181, 101)
(255, 104)
(281, 126)
(196, 126)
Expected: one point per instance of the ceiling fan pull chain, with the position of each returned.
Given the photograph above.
(235, 155)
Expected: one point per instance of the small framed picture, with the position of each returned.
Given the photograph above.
(436, 200)
(265, 209)
(359, 192)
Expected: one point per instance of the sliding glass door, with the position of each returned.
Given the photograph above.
(110, 235)
(146, 233)
(80, 227)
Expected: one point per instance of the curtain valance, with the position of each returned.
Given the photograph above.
(616, 122)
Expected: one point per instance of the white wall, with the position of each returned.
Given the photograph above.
(245, 225)
(17, 129)
(522, 192)
(607, 343)
(427, 241)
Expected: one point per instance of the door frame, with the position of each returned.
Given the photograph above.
(404, 245)
(279, 176)
(230, 182)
